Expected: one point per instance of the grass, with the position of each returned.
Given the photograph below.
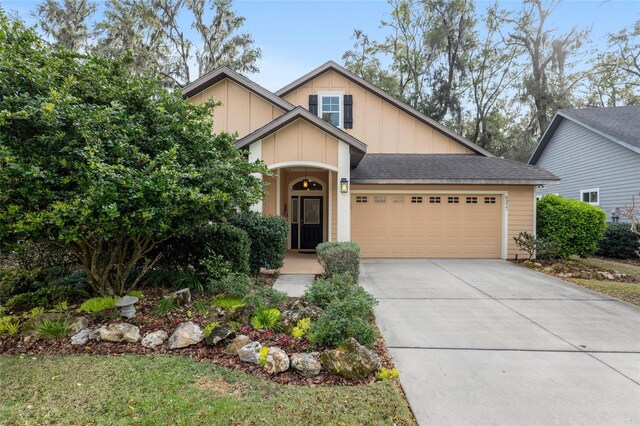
(629, 292)
(118, 390)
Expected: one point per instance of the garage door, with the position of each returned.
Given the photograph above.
(438, 225)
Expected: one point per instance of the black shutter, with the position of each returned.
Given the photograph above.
(313, 104)
(348, 111)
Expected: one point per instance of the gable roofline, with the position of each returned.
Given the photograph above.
(333, 66)
(222, 72)
(358, 150)
(555, 123)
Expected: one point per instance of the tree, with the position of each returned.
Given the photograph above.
(66, 22)
(104, 163)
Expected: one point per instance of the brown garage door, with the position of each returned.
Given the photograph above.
(424, 225)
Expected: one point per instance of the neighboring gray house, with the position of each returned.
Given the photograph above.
(596, 154)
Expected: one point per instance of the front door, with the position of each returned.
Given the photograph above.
(310, 222)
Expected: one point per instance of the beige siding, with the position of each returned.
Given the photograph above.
(521, 217)
(300, 141)
(269, 204)
(379, 124)
(242, 111)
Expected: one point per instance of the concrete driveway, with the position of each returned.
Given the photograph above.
(489, 342)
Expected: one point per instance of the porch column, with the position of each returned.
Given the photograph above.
(255, 153)
(343, 200)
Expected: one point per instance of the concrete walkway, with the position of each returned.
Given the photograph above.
(293, 285)
(489, 342)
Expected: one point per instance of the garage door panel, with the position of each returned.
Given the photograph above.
(406, 229)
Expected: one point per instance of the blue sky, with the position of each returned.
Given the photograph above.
(297, 36)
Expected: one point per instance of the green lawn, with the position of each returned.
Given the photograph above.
(176, 390)
(629, 292)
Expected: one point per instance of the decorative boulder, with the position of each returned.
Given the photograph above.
(350, 360)
(241, 314)
(181, 297)
(154, 339)
(237, 343)
(296, 312)
(250, 352)
(80, 338)
(78, 325)
(307, 364)
(277, 361)
(221, 335)
(119, 332)
(186, 334)
(95, 334)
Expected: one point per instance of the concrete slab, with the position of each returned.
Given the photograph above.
(592, 326)
(627, 364)
(446, 387)
(293, 285)
(480, 324)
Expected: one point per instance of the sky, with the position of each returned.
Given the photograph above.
(297, 36)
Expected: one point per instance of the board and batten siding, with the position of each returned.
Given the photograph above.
(583, 159)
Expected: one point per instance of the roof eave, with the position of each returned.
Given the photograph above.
(462, 181)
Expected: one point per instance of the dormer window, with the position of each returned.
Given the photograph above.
(331, 109)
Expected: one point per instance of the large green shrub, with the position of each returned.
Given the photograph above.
(323, 291)
(574, 226)
(350, 317)
(337, 257)
(267, 235)
(235, 285)
(619, 242)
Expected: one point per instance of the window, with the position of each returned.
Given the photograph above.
(398, 200)
(379, 199)
(311, 185)
(453, 200)
(434, 200)
(361, 199)
(489, 200)
(416, 200)
(591, 196)
(330, 109)
(294, 209)
(472, 200)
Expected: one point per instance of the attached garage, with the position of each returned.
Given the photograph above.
(428, 224)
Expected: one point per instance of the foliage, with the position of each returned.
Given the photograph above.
(343, 319)
(575, 226)
(227, 302)
(264, 352)
(107, 164)
(266, 297)
(619, 242)
(34, 312)
(66, 23)
(9, 325)
(267, 235)
(323, 291)
(234, 285)
(164, 306)
(44, 255)
(54, 329)
(265, 319)
(3, 311)
(98, 304)
(538, 247)
(209, 328)
(302, 328)
(137, 294)
(61, 306)
(190, 280)
(338, 257)
(385, 374)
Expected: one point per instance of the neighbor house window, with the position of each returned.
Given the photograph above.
(330, 109)
(591, 196)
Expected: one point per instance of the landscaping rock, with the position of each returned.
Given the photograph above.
(181, 297)
(296, 312)
(237, 343)
(277, 361)
(307, 364)
(221, 335)
(350, 360)
(250, 352)
(154, 339)
(119, 332)
(186, 334)
(80, 338)
(95, 334)
(78, 325)
(241, 314)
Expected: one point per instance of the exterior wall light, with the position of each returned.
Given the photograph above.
(344, 185)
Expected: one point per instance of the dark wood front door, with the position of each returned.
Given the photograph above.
(310, 222)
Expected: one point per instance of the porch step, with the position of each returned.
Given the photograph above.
(293, 285)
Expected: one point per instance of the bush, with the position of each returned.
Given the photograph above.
(619, 242)
(9, 325)
(98, 304)
(164, 306)
(538, 247)
(265, 319)
(227, 302)
(266, 297)
(575, 226)
(54, 329)
(42, 255)
(323, 291)
(338, 257)
(235, 285)
(267, 236)
(343, 319)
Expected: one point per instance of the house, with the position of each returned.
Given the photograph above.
(350, 162)
(596, 153)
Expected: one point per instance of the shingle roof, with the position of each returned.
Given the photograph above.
(622, 123)
(446, 168)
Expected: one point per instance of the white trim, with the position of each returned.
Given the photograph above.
(535, 211)
(340, 96)
(330, 207)
(505, 225)
(255, 154)
(343, 200)
(302, 163)
(596, 190)
(278, 200)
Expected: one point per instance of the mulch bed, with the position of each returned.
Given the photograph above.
(148, 321)
(566, 269)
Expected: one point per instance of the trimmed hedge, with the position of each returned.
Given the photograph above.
(574, 226)
(339, 257)
(267, 235)
(619, 242)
